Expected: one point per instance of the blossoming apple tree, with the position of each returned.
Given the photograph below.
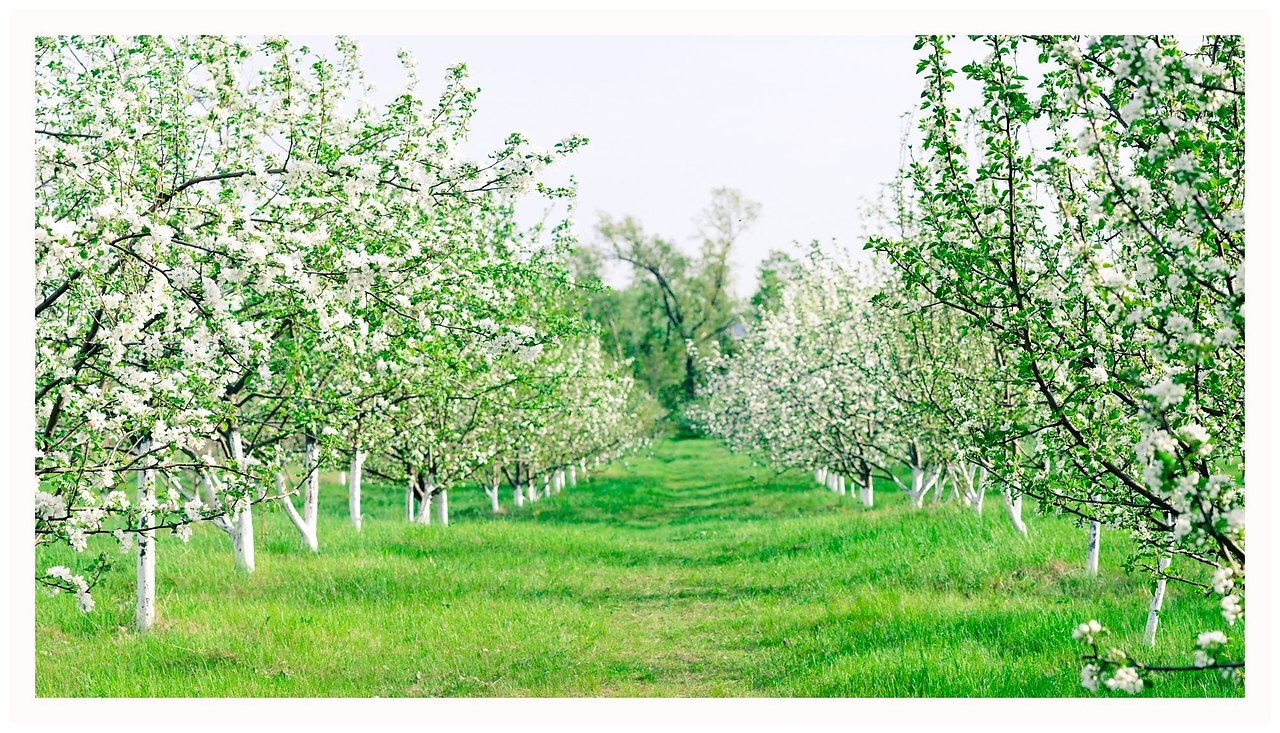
(1106, 264)
(230, 239)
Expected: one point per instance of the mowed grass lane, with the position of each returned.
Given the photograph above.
(685, 572)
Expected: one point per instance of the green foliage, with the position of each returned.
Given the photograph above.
(678, 305)
(772, 276)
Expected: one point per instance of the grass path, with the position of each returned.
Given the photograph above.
(688, 572)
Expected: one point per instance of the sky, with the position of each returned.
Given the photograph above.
(807, 126)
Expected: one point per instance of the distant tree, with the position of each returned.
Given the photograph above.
(678, 304)
(772, 276)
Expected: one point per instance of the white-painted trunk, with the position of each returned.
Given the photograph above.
(311, 490)
(961, 490)
(980, 488)
(546, 485)
(424, 506)
(492, 493)
(409, 499)
(1157, 602)
(242, 540)
(840, 485)
(1013, 507)
(207, 493)
(145, 612)
(1095, 548)
(241, 520)
(353, 490)
(921, 482)
(209, 488)
(868, 490)
(820, 475)
(573, 475)
(517, 495)
(531, 489)
(307, 530)
(442, 507)
(342, 478)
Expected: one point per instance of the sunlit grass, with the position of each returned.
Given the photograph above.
(687, 572)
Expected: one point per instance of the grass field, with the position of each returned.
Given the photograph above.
(688, 572)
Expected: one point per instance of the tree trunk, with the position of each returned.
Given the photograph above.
(424, 503)
(442, 507)
(868, 489)
(1013, 507)
(1157, 602)
(921, 482)
(307, 530)
(980, 488)
(1095, 547)
(242, 520)
(311, 494)
(410, 496)
(145, 613)
(353, 501)
(690, 377)
(573, 475)
(517, 493)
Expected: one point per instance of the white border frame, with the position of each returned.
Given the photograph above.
(370, 17)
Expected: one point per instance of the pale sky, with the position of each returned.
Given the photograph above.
(809, 127)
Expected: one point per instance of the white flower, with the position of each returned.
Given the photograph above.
(61, 572)
(1155, 442)
(1097, 374)
(1211, 638)
(1231, 608)
(1222, 580)
(193, 508)
(49, 506)
(1182, 526)
(1233, 221)
(1089, 677)
(1193, 433)
(1126, 679)
(1167, 392)
(1087, 630)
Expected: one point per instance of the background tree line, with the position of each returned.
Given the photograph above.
(676, 305)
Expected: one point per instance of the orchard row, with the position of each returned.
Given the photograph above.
(247, 271)
(1053, 309)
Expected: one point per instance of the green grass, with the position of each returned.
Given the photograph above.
(689, 572)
